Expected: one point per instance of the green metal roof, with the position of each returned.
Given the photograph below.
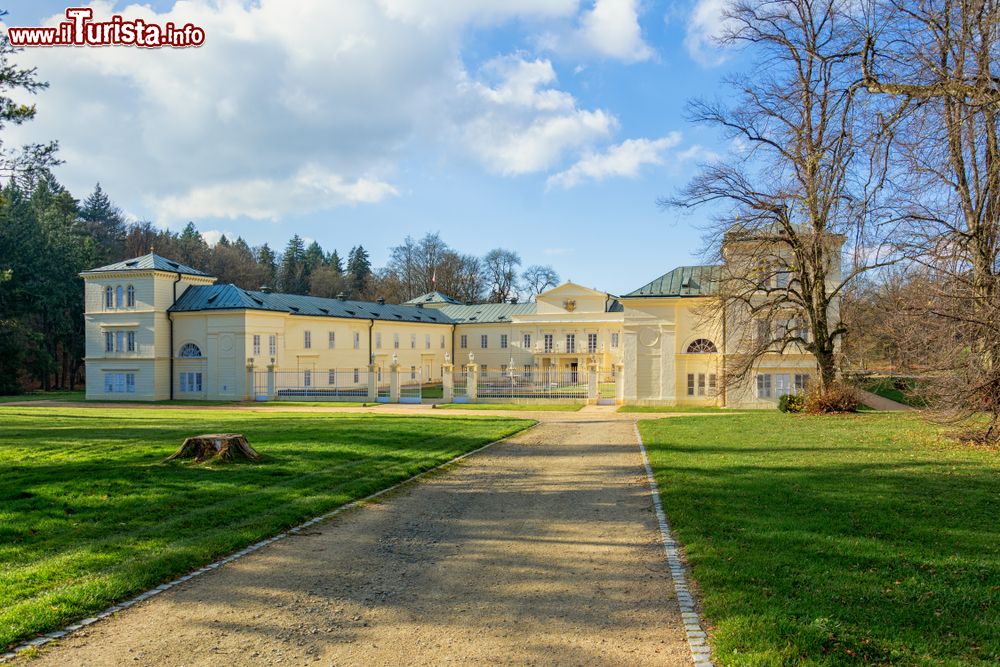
(487, 312)
(433, 297)
(682, 281)
(150, 262)
(229, 297)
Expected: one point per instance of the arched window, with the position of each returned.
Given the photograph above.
(109, 297)
(119, 297)
(130, 296)
(190, 350)
(702, 346)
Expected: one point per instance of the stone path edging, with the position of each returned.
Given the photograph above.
(38, 642)
(701, 653)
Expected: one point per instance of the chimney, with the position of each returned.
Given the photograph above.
(381, 300)
(341, 296)
(265, 289)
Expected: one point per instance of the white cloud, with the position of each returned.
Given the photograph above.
(621, 160)
(283, 112)
(705, 25)
(605, 29)
(612, 29)
(520, 124)
(310, 189)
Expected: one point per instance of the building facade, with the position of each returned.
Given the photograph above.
(158, 330)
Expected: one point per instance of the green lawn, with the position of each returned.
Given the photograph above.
(89, 514)
(678, 408)
(74, 396)
(886, 388)
(524, 407)
(842, 540)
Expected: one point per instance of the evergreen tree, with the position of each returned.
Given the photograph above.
(106, 224)
(191, 247)
(268, 266)
(359, 270)
(313, 258)
(335, 262)
(292, 274)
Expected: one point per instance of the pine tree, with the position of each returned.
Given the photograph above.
(335, 262)
(106, 224)
(268, 264)
(359, 269)
(292, 274)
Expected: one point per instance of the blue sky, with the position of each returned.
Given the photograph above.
(546, 126)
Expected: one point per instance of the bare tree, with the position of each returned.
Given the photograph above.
(938, 62)
(500, 271)
(799, 192)
(537, 278)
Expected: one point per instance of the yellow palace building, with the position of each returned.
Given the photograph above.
(157, 329)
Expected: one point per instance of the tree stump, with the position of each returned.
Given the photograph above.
(216, 447)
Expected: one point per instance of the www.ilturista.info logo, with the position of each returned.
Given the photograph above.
(81, 30)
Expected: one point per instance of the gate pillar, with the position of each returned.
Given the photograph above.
(448, 383)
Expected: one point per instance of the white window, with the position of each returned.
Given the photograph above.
(427, 341)
(503, 341)
(782, 384)
(763, 333)
(592, 342)
(119, 383)
(307, 378)
(763, 385)
(801, 383)
(190, 351)
(803, 329)
(614, 339)
(256, 345)
(484, 341)
(272, 345)
(307, 339)
(357, 375)
(571, 342)
(526, 342)
(690, 384)
(547, 341)
(130, 296)
(701, 384)
(109, 340)
(463, 341)
(190, 382)
(482, 369)
(109, 298)
(503, 369)
(378, 340)
(781, 277)
(442, 341)
(527, 371)
(119, 341)
(130, 341)
(331, 377)
(712, 384)
(413, 372)
(357, 340)
(331, 340)
(119, 297)
(413, 341)
(395, 341)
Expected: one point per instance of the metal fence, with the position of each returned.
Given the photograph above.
(340, 384)
(460, 386)
(410, 386)
(607, 392)
(533, 384)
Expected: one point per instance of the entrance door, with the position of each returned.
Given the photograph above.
(574, 372)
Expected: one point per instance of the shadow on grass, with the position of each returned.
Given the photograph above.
(835, 541)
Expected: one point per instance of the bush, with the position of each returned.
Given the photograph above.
(791, 403)
(837, 397)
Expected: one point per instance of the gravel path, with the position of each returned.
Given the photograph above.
(540, 550)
